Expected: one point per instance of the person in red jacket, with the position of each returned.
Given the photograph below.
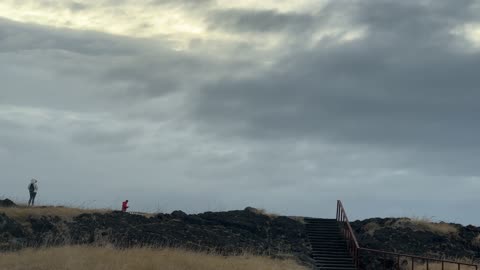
(125, 206)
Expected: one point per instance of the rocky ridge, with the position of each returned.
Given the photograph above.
(401, 236)
(232, 232)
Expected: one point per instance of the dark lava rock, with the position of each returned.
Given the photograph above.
(406, 240)
(12, 234)
(7, 203)
(10, 227)
(179, 214)
(232, 232)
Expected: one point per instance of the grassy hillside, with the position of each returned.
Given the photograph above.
(228, 232)
(22, 213)
(103, 258)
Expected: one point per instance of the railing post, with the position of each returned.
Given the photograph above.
(338, 210)
(413, 263)
(428, 264)
(443, 265)
(398, 262)
(357, 258)
(336, 216)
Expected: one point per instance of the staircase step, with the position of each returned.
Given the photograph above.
(332, 254)
(326, 248)
(321, 248)
(342, 255)
(336, 268)
(324, 245)
(335, 264)
(326, 237)
(329, 248)
(328, 243)
(335, 232)
(329, 259)
(316, 249)
(327, 240)
(319, 243)
(324, 230)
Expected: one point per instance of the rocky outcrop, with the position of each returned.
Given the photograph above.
(385, 234)
(12, 234)
(232, 232)
(7, 203)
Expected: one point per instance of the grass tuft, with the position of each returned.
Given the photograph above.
(103, 258)
(476, 241)
(426, 224)
(22, 213)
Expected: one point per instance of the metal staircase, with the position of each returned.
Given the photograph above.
(335, 247)
(329, 248)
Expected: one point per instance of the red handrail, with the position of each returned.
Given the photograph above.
(347, 232)
(355, 249)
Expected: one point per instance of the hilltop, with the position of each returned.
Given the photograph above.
(420, 236)
(227, 233)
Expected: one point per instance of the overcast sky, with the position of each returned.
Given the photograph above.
(207, 105)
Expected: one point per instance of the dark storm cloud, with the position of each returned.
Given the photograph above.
(147, 69)
(411, 16)
(241, 20)
(115, 140)
(314, 116)
(409, 82)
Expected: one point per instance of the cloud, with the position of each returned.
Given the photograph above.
(291, 106)
(259, 21)
(77, 7)
(407, 84)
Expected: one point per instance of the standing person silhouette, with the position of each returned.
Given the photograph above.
(32, 189)
(125, 206)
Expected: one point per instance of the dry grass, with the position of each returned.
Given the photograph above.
(371, 227)
(438, 266)
(22, 213)
(264, 212)
(298, 219)
(426, 224)
(105, 258)
(476, 241)
(261, 211)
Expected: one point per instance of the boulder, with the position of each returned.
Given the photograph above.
(179, 214)
(7, 203)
